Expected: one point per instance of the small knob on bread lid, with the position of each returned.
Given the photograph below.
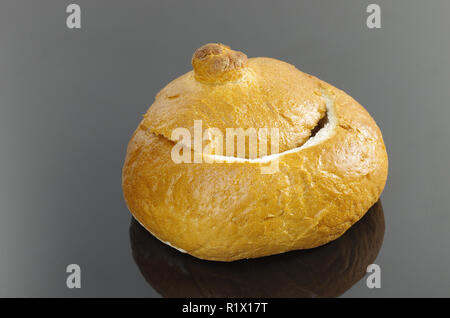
(216, 63)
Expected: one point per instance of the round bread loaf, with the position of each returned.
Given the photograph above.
(326, 167)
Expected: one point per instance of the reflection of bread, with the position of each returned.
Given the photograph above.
(327, 271)
(257, 93)
(228, 211)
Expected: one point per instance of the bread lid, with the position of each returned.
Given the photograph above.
(228, 90)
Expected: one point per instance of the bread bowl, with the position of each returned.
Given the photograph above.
(326, 271)
(331, 161)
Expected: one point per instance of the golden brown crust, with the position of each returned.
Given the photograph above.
(217, 63)
(229, 211)
(272, 94)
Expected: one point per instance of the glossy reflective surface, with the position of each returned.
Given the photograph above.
(327, 271)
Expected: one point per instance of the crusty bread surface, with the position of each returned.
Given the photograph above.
(230, 210)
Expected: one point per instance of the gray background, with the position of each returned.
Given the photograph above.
(70, 100)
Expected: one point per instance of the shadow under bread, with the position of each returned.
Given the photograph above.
(325, 271)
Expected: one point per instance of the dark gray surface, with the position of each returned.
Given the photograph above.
(70, 100)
